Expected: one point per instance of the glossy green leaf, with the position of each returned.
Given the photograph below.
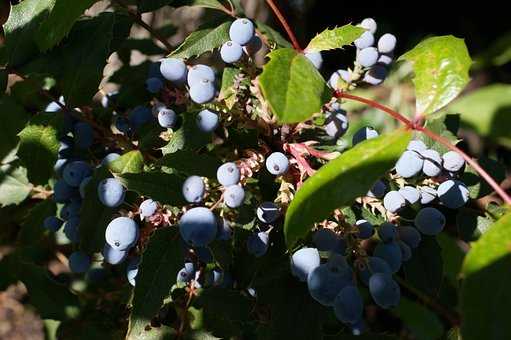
(188, 137)
(202, 41)
(13, 118)
(94, 216)
(130, 162)
(439, 125)
(59, 22)
(339, 182)
(14, 185)
(441, 66)
(292, 86)
(487, 111)
(424, 324)
(161, 187)
(334, 38)
(20, 31)
(192, 163)
(485, 292)
(161, 261)
(477, 186)
(272, 36)
(32, 229)
(452, 256)
(424, 270)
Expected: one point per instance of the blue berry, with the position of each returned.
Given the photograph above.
(277, 163)
(365, 229)
(394, 201)
(375, 75)
(228, 174)
(410, 236)
(79, 262)
(384, 290)
(154, 85)
(109, 99)
(66, 147)
(109, 158)
(52, 223)
(132, 270)
(365, 40)
(173, 69)
(315, 58)
(75, 172)
(333, 81)
(147, 208)
(139, 116)
(406, 251)
(378, 190)
(62, 191)
(385, 59)
(113, 256)
(336, 124)
(409, 164)
(369, 24)
(417, 146)
(267, 212)
(71, 229)
(390, 253)
(303, 262)
(241, 31)
(200, 72)
(224, 230)
(453, 194)
(234, 195)
(374, 265)
(83, 186)
(167, 118)
(452, 161)
(203, 92)
(231, 52)
(430, 221)
(207, 121)
(186, 274)
(410, 194)
(194, 189)
(327, 280)
(387, 232)
(122, 124)
(111, 192)
(387, 43)
(367, 57)
(363, 134)
(198, 227)
(70, 209)
(257, 244)
(84, 135)
(121, 233)
(428, 194)
(59, 166)
(348, 305)
(326, 240)
(432, 163)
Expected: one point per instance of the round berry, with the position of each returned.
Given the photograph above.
(154, 85)
(303, 262)
(121, 233)
(52, 223)
(207, 121)
(228, 174)
(432, 163)
(430, 221)
(194, 189)
(75, 172)
(267, 212)
(363, 134)
(167, 118)
(409, 164)
(198, 227)
(113, 256)
(409, 235)
(453, 194)
(315, 58)
(336, 124)
(79, 262)
(394, 201)
(428, 194)
(375, 75)
(387, 43)
(369, 24)
(241, 31)
(348, 305)
(111, 192)
(365, 40)
(84, 135)
(453, 161)
(384, 290)
(203, 92)
(367, 57)
(257, 244)
(147, 208)
(231, 52)
(200, 72)
(365, 229)
(387, 232)
(173, 69)
(277, 163)
(234, 195)
(410, 194)
(327, 280)
(390, 253)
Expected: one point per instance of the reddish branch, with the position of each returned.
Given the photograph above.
(285, 25)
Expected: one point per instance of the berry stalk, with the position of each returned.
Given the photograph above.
(285, 25)
(501, 192)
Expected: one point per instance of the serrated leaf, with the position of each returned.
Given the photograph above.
(32, 228)
(228, 89)
(59, 22)
(161, 261)
(202, 41)
(192, 163)
(20, 30)
(424, 270)
(424, 324)
(340, 181)
(39, 146)
(272, 36)
(161, 187)
(471, 225)
(331, 39)
(485, 292)
(130, 162)
(188, 137)
(94, 216)
(14, 185)
(441, 66)
(13, 118)
(487, 111)
(292, 86)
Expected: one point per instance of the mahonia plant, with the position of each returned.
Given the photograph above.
(212, 196)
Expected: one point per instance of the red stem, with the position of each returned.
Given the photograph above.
(416, 126)
(284, 24)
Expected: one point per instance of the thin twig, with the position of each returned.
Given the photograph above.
(285, 25)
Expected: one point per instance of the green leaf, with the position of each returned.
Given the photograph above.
(51, 299)
(485, 294)
(20, 31)
(343, 179)
(202, 41)
(14, 185)
(331, 39)
(94, 215)
(292, 86)
(157, 273)
(230, 84)
(273, 36)
(477, 186)
(425, 269)
(441, 66)
(424, 324)
(130, 162)
(59, 22)
(498, 54)
(39, 146)
(438, 124)
(32, 229)
(471, 225)
(487, 111)
(191, 163)
(13, 118)
(188, 137)
(213, 4)
(161, 187)
(452, 256)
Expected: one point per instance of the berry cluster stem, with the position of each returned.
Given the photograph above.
(285, 25)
